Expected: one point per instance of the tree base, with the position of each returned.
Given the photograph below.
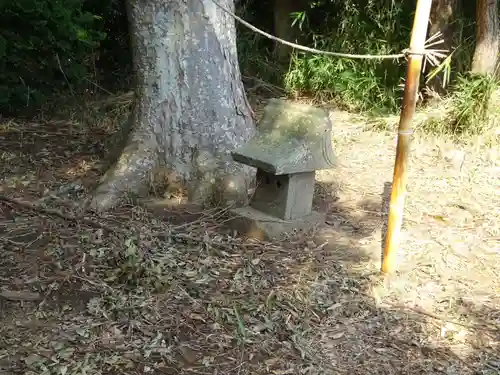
(190, 110)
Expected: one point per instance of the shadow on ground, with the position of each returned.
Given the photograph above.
(132, 292)
(194, 301)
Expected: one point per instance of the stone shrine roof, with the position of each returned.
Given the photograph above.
(290, 138)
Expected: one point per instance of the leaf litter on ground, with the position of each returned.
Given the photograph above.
(130, 292)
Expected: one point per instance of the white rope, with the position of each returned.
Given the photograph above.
(432, 54)
(404, 53)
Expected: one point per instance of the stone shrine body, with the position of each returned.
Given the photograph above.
(293, 141)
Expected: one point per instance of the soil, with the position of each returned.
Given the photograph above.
(170, 291)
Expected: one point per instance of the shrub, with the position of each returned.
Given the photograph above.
(352, 26)
(44, 46)
(471, 103)
(470, 109)
(255, 52)
(358, 27)
(114, 62)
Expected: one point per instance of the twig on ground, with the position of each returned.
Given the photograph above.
(19, 295)
(93, 283)
(96, 224)
(421, 311)
(49, 211)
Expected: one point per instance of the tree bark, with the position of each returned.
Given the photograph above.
(190, 107)
(487, 37)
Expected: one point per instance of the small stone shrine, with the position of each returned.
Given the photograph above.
(292, 142)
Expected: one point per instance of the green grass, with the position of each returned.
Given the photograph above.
(468, 110)
(371, 87)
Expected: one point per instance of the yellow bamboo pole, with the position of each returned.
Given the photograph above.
(397, 200)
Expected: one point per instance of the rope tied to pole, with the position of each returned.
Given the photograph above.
(406, 132)
(431, 53)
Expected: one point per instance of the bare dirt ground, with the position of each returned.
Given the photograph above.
(134, 292)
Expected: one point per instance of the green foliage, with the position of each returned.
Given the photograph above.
(468, 110)
(115, 59)
(459, 59)
(353, 26)
(44, 47)
(53, 46)
(358, 27)
(471, 104)
(464, 41)
(255, 51)
(134, 268)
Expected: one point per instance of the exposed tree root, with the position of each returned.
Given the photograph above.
(128, 176)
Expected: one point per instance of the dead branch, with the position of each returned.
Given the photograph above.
(53, 212)
(19, 295)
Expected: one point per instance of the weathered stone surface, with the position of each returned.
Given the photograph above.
(291, 138)
(286, 197)
(252, 223)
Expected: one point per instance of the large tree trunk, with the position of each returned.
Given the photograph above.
(441, 20)
(191, 109)
(487, 37)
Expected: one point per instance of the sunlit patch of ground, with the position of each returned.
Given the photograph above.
(449, 256)
(136, 291)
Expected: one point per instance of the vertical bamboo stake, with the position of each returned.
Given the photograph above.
(397, 201)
